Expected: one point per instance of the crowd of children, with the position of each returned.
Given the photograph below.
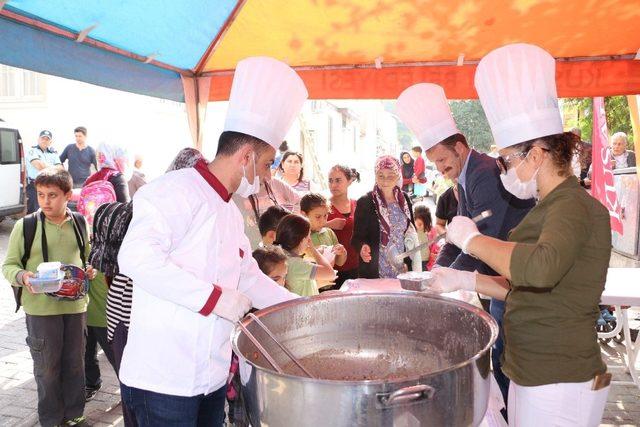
(302, 252)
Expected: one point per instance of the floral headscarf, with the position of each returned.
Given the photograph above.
(379, 202)
(388, 162)
(186, 158)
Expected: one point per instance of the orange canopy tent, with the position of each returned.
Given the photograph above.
(186, 51)
(375, 49)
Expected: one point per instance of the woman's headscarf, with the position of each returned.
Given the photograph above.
(379, 202)
(116, 157)
(407, 168)
(388, 162)
(186, 158)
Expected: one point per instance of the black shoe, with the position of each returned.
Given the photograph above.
(90, 392)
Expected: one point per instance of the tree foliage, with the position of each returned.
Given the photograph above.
(472, 122)
(578, 112)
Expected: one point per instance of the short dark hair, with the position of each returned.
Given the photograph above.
(292, 229)
(230, 142)
(310, 201)
(267, 258)
(289, 154)
(451, 141)
(283, 147)
(422, 212)
(350, 173)
(270, 219)
(417, 149)
(55, 177)
(81, 129)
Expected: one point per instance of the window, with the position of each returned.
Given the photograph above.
(9, 148)
(20, 85)
(316, 106)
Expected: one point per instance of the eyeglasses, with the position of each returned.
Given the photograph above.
(504, 162)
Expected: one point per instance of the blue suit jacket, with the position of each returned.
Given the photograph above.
(484, 190)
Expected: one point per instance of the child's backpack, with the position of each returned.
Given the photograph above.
(29, 224)
(110, 225)
(96, 194)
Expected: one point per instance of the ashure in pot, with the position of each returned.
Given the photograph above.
(380, 359)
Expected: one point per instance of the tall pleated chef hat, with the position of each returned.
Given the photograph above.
(266, 96)
(424, 109)
(516, 84)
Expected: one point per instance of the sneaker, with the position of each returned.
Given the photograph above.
(78, 421)
(90, 392)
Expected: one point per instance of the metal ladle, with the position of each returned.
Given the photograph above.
(397, 260)
(265, 353)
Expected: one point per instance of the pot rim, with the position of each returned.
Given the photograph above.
(493, 326)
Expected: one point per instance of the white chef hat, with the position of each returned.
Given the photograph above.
(266, 96)
(424, 109)
(517, 88)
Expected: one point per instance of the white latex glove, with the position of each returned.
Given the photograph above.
(232, 305)
(460, 231)
(447, 280)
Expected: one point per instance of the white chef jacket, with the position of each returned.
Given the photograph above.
(184, 237)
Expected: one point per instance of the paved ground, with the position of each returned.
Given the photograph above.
(18, 399)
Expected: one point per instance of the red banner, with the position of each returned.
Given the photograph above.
(602, 184)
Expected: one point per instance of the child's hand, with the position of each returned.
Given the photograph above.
(26, 276)
(91, 272)
(336, 223)
(339, 250)
(365, 253)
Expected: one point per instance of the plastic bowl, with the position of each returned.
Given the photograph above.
(415, 281)
(43, 285)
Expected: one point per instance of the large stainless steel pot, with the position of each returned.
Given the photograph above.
(381, 359)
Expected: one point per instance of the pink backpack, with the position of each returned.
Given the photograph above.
(94, 195)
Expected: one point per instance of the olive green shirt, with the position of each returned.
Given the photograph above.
(63, 247)
(326, 237)
(558, 271)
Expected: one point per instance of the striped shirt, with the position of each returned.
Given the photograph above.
(119, 303)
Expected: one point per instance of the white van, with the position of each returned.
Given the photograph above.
(12, 172)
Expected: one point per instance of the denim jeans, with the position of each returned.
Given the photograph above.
(497, 311)
(157, 409)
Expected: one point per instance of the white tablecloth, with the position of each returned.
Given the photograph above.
(622, 289)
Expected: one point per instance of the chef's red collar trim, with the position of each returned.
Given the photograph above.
(203, 169)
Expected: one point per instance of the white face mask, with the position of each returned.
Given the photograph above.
(245, 189)
(514, 185)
